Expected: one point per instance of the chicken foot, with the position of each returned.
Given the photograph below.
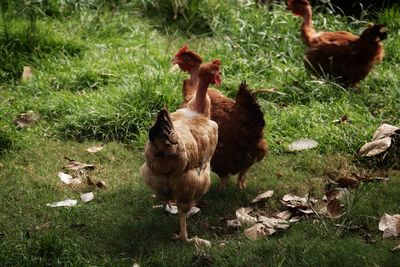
(222, 182)
(241, 183)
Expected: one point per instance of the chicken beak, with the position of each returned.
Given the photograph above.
(177, 60)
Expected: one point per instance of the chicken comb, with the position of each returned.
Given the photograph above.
(217, 62)
(182, 50)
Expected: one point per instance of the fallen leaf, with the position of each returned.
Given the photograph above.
(242, 214)
(95, 149)
(87, 197)
(201, 243)
(258, 230)
(274, 223)
(390, 225)
(26, 73)
(24, 120)
(334, 208)
(193, 210)
(64, 203)
(385, 130)
(263, 196)
(75, 165)
(173, 209)
(68, 179)
(397, 248)
(285, 215)
(295, 219)
(375, 147)
(303, 144)
(347, 182)
(235, 224)
(381, 179)
(333, 194)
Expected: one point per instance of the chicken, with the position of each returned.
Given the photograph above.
(342, 55)
(180, 148)
(240, 124)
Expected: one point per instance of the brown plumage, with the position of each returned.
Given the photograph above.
(240, 128)
(341, 55)
(180, 148)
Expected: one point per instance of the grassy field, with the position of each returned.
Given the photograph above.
(101, 71)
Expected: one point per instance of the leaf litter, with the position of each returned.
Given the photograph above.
(26, 119)
(381, 141)
(76, 165)
(63, 203)
(390, 225)
(263, 197)
(86, 197)
(95, 149)
(303, 144)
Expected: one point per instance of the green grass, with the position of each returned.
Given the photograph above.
(101, 71)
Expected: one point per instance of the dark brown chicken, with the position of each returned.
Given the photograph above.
(341, 55)
(240, 124)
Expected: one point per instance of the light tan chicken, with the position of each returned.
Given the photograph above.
(180, 148)
(240, 122)
(341, 55)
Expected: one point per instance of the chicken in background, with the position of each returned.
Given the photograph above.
(342, 55)
(180, 148)
(240, 122)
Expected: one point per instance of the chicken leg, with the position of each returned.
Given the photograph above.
(222, 182)
(183, 235)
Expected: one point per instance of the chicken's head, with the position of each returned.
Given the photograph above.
(374, 33)
(299, 7)
(210, 72)
(187, 60)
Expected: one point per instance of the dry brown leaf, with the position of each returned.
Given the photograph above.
(76, 165)
(333, 194)
(295, 219)
(285, 215)
(334, 208)
(258, 230)
(63, 203)
(390, 225)
(26, 73)
(397, 248)
(201, 243)
(303, 144)
(242, 214)
(375, 147)
(274, 223)
(86, 197)
(95, 148)
(68, 179)
(233, 224)
(293, 201)
(347, 182)
(24, 120)
(263, 196)
(385, 130)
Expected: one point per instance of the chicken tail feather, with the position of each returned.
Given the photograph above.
(163, 128)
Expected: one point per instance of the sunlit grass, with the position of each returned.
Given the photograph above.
(101, 71)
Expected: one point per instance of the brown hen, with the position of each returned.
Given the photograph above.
(240, 122)
(341, 55)
(180, 148)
